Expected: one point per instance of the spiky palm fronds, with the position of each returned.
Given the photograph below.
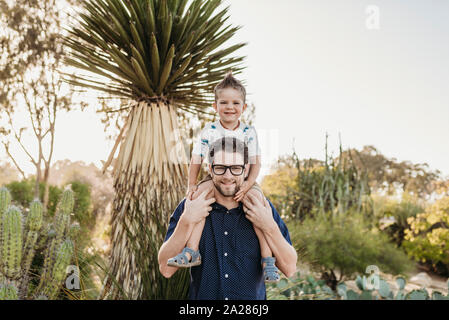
(165, 56)
(154, 49)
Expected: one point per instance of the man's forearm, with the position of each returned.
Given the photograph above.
(174, 245)
(285, 254)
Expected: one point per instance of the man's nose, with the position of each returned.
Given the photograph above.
(228, 174)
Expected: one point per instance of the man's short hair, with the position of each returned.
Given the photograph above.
(229, 144)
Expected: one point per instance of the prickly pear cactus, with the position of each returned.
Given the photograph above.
(384, 292)
(18, 242)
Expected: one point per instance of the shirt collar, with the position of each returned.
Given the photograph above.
(238, 127)
(217, 206)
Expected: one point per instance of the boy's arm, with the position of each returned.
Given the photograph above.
(254, 169)
(194, 170)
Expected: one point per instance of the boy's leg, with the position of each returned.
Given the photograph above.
(193, 242)
(195, 237)
(271, 272)
(264, 248)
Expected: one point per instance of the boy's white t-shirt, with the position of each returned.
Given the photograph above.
(214, 130)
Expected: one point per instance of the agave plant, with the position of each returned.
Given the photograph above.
(164, 57)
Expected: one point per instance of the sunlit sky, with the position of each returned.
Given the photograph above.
(327, 66)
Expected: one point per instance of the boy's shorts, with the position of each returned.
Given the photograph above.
(255, 185)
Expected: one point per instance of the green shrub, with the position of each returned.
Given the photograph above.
(346, 244)
(392, 215)
(427, 239)
(22, 193)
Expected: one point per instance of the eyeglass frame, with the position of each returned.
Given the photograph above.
(228, 167)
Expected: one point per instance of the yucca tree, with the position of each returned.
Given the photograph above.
(164, 56)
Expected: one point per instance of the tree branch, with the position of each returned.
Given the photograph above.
(13, 160)
(18, 138)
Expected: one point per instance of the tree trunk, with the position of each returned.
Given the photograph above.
(150, 177)
(47, 186)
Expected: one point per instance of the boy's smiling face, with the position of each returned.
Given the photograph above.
(230, 106)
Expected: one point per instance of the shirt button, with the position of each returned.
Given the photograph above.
(226, 298)
(226, 275)
(225, 254)
(226, 233)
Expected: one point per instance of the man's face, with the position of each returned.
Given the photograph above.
(229, 105)
(228, 184)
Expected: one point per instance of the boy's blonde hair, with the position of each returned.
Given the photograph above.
(230, 82)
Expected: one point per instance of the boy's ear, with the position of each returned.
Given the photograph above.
(215, 106)
(244, 107)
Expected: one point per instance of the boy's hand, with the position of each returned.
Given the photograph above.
(244, 188)
(190, 191)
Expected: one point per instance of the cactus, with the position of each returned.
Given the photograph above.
(384, 292)
(11, 242)
(18, 242)
(8, 292)
(5, 200)
(57, 273)
(57, 234)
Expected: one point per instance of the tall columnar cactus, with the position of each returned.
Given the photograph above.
(5, 200)
(32, 227)
(18, 243)
(8, 292)
(58, 270)
(12, 243)
(58, 233)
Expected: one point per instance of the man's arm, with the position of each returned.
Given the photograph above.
(261, 215)
(194, 212)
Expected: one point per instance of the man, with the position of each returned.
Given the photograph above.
(231, 261)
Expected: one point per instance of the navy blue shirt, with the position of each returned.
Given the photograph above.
(231, 266)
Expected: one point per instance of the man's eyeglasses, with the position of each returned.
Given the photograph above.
(236, 170)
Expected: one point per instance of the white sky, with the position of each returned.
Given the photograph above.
(315, 67)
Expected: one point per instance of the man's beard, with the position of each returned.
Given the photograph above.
(226, 193)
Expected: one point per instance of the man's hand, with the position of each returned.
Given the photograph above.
(198, 209)
(190, 191)
(244, 188)
(259, 213)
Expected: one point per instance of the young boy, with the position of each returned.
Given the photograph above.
(230, 96)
